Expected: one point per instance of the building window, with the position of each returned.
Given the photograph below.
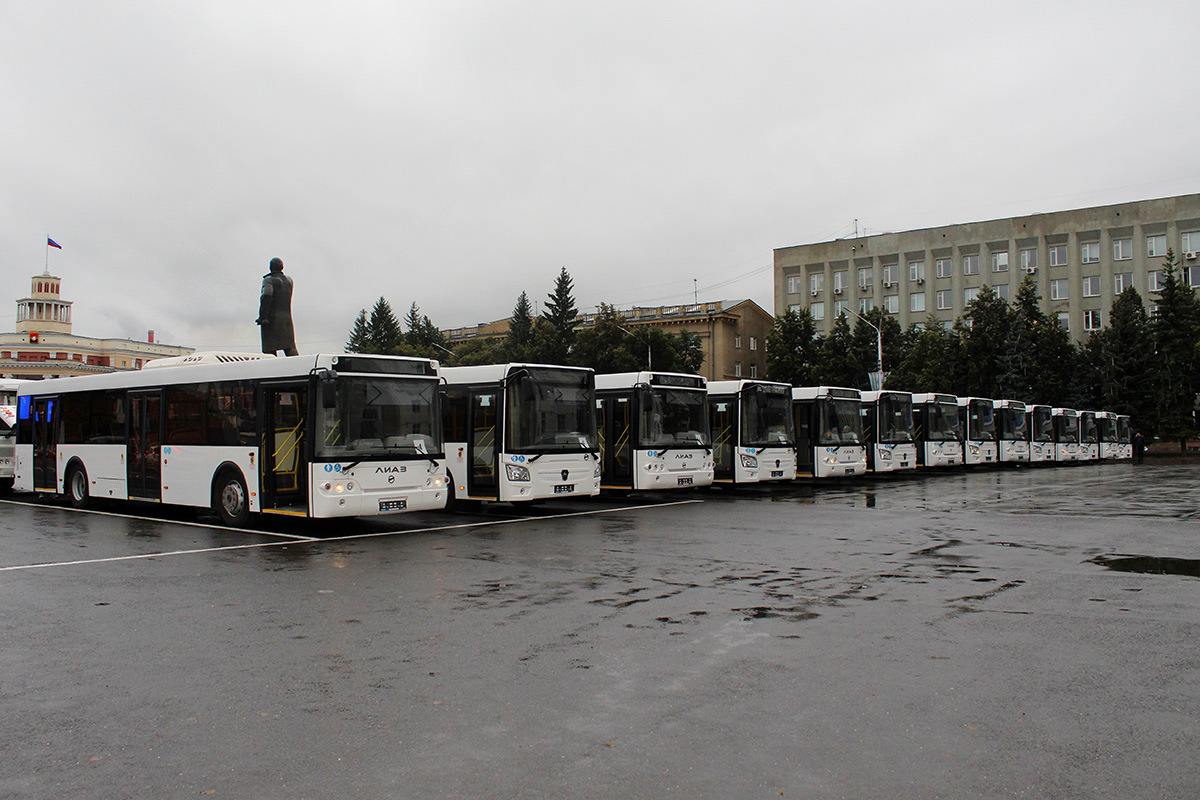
(753, 343)
(737, 369)
(839, 281)
(891, 303)
(1029, 260)
(1058, 255)
(865, 276)
(1089, 252)
(944, 267)
(1091, 286)
(839, 307)
(969, 295)
(1154, 280)
(816, 282)
(1193, 276)
(1058, 289)
(916, 271)
(1122, 249)
(794, 282)
(1000, 261)
(1064, 320)
(865, 304)
(754, 370)
(1001, 291)
(794, 308)
(737, 338)
(889, 274)
(816, 309)
(1091, 319)
(944, 299)
(971, 265)
(1156, 245)
(916, 302)
(1191, 244)
(1122, 281)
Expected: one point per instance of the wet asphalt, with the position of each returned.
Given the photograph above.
(999, 633)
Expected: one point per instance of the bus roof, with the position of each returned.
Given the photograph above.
(628, 380)
(280, 367)
(495, 373)
(871, 397)
(736, 386)
(1015, 404)
(816, 392)
(934, 397)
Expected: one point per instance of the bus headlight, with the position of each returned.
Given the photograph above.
(974, 449)
(516, 472)
(884, 455)
(596, 472)
(749, 462)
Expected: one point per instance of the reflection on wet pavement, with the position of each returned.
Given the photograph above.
(1153, 565)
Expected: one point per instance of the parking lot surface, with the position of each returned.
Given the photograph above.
(995, 633)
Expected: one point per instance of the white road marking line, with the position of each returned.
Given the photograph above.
(314, 540)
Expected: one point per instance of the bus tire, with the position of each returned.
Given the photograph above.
(76, 484)
(231, 501)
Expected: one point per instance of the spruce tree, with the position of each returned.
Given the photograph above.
(520, 330)
(360, 337)
(383, 329)
(793, 349)
(1175, 330)
(560, 315)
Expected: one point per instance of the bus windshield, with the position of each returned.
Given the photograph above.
(1043, 425)
(841, 421)
(1087, 428)
(981, 422)
(943, 422)
(1068, 428)
(895, 419)
(551, 410)
(674, 418)
(1108, 429)
(767, 418)
(380, 416)
(1012, 424)
(1123, 430)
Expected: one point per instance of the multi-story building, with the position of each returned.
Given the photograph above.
(1080, 259)
(43, 345)
(733, 333)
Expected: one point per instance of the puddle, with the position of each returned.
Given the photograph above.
(1152, 565)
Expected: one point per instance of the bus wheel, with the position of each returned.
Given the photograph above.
(77, 486)
(230, 499)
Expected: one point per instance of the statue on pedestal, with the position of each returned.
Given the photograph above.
(275, 311)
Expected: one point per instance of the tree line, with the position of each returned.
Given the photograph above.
(1146, 366)
(552, 337)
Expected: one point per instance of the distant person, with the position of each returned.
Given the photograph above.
(1139, 447)
(275, 312)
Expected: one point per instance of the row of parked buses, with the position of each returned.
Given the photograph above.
(359, 435)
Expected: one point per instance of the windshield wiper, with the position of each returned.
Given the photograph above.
(351, 466)
(576, 449)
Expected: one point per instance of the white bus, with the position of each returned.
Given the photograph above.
(1124, 437)
(889, 432)
(654, 431)
(1012, 431)
(521, 432)
(752, 432)
(1066, 434)
(8, 392)
(1106, 434)
(1040, 425)
(829, 440)
(311, 436)
(1089, 437)
(939, 434)
(977, 416)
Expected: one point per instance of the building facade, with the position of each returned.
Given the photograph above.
(1080, 260)
(44, 346)
(733, 333)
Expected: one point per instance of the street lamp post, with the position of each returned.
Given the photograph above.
(649, 368)
(878, 345)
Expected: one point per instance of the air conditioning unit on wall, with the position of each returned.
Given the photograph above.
(1190, 255)
(815, 293)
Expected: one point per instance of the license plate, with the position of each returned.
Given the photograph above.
(685, 481)
(564, 488)
(903, 464)
(776, 473)
(849, 470)
(393, 505)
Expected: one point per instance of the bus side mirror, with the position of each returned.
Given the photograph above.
(328, 381)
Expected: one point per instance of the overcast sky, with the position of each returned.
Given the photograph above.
(457, 153)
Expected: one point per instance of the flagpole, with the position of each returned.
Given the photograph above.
(47, 254)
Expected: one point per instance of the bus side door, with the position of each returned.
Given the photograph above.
(143, 459)
(284, 455)
(616, 441)
(483, 455)
(723, 432)
(45, 444)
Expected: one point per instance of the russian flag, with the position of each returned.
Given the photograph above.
(51, 243)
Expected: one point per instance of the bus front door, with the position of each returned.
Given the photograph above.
(481, 481)
(617, 444)
(45, 444)
(284, 448)
(143, 452)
